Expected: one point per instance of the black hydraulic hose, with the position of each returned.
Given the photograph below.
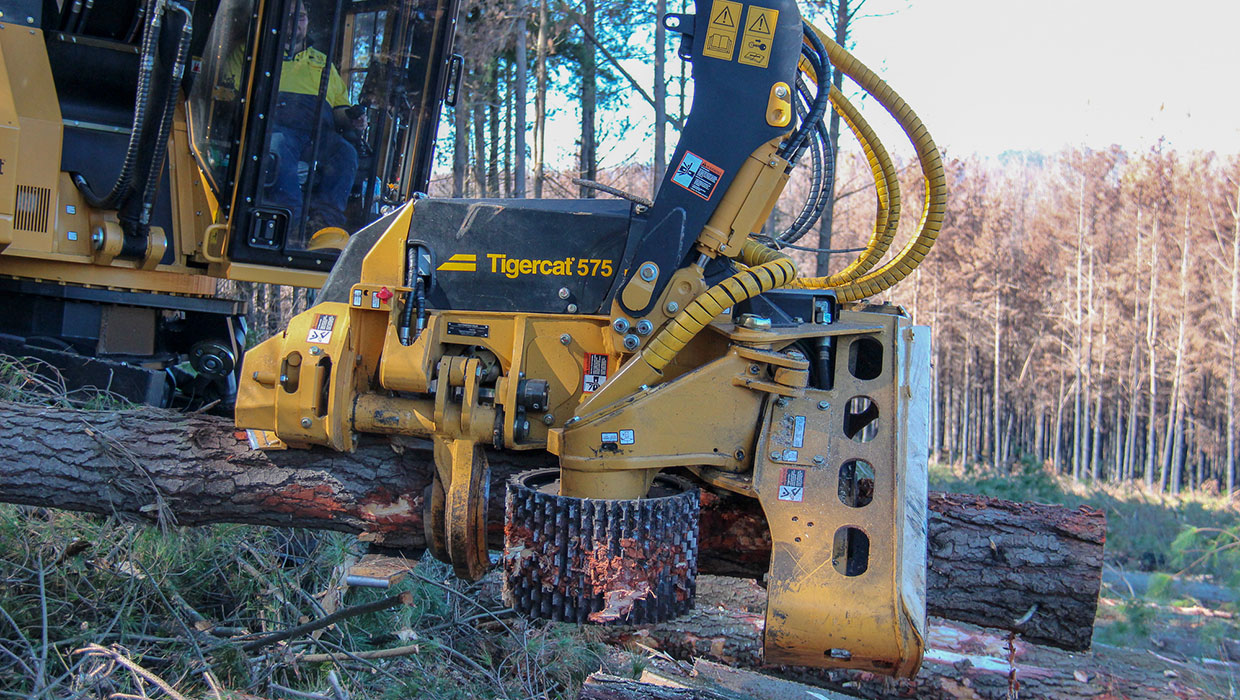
(141, 107)
(817, 200)
(138, 15)
(820, 63)
(71, 16)
(81, 20)
(815, 170)
(165, 125)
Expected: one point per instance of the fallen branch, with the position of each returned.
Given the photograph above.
(405, 598)
(369, 655)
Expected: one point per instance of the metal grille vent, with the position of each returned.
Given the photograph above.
(32, 203)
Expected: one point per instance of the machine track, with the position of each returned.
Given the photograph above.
(600, 561)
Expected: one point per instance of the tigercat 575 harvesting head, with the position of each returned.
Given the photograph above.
(656, 351)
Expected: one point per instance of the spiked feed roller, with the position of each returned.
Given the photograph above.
(597, 560)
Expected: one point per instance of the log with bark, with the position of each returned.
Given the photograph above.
(990, 561)
(961, 661)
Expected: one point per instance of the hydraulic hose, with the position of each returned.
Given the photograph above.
(169, 110)
(768, 269)
(886, 185)
(141, 106)
(931, 162)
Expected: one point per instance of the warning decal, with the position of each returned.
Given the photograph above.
(697, 175)
(321, 331)
(595, 370)
(791, 484)
(758, 37)
(725, 15)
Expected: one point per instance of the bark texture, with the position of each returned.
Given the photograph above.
(990, 561)
(961, 661)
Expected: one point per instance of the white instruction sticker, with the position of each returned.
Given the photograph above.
(321, 332)
(628, 437)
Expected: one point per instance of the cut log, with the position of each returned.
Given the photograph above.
(990, 561)
(962, 661)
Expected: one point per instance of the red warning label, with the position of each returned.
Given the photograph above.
(697, 175)
(595, 371)
(321, 332)
(792, 484)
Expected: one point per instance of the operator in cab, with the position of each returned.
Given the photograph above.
(298, 106)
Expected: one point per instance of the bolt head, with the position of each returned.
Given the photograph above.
(620, 325)
(563, 292)
(818, 459)
(754, 369)
(316, 350)
(631, 342)
(644, 327)
(548, 419)
(305, 422)
(565, 339)
(776, 454)
(648, 271)
(823, 405)
(781, 92)
(572, 308)
(672, 307)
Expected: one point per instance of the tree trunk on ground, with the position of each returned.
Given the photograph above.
(961, 661)
(989, 561)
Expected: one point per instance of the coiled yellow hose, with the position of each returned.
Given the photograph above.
(931, 162)
(767, 270)
(886, 185)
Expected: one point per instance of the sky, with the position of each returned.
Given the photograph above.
(989, 76)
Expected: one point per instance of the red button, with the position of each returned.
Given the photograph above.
(383, 294)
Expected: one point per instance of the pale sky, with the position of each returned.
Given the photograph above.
(987, 76)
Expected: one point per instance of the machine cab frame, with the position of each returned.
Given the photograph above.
(376, 73)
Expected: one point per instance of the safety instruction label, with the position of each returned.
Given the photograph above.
(792, 484)
(725, 16)
(759, 36)
(622, 437)
(697, 175)
(321, 331)
(595, 370)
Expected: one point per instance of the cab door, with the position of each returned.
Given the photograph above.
(313, 118)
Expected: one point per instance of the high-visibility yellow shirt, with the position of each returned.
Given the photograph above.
(300, 75)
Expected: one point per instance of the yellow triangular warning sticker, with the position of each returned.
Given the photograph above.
(760, 26)
(724, 19)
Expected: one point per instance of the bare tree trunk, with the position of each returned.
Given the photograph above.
(989, 560)
(1175, 419)
(460, 151)
(1151, 346)
(589, 101)
(493, 109)
(480, 142)
(660, 95)
(996, 400)
(540, 99)
(519, 91)
(1233, 337)
(842, 22)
